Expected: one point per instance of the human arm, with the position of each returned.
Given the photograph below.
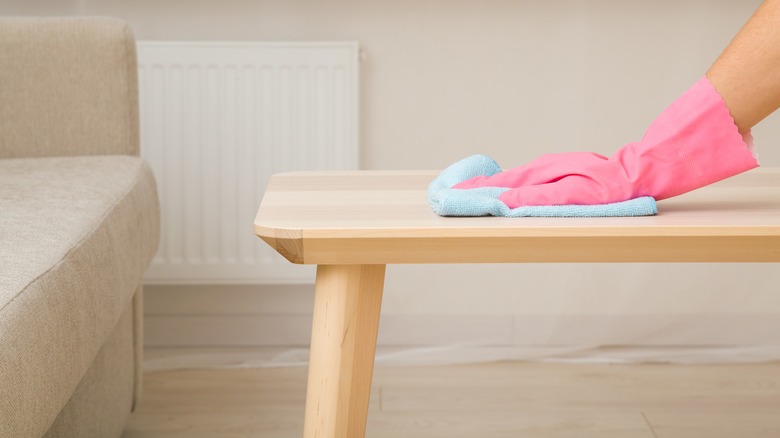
(747, 73)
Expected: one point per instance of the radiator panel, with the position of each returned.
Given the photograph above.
(217, 120)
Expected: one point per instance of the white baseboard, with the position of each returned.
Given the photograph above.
(280, 316)
(295, 330)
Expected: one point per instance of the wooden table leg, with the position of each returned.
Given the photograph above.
(343, 343)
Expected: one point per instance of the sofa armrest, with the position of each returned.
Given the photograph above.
(69, 87)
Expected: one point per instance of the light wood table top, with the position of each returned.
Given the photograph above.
(352, 224)
(381, 217)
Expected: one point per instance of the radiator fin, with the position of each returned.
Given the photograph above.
(217, 120)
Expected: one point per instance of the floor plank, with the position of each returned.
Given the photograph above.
(696, 422)
(485, 400)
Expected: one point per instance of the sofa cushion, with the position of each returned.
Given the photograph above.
(69, 87)
(76, 234)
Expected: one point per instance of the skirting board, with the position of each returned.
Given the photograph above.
(280, 316)
(475, 330)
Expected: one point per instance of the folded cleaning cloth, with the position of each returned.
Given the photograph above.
(446, 201)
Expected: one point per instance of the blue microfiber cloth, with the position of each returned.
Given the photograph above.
(446, 201)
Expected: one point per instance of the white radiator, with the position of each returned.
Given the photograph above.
(217, 119)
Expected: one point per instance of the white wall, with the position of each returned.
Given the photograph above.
(443, 79)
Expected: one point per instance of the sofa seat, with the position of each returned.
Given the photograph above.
(76, 234)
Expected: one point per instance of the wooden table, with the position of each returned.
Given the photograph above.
(352, 224)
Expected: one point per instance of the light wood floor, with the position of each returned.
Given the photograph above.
(486, 400)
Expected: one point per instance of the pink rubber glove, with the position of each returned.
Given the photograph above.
(693, 143)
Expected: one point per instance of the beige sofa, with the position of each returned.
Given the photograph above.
(79, 223)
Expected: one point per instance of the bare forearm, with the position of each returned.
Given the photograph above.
(747, 73)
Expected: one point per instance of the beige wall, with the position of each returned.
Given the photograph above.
(443, 79)
(446, 78)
